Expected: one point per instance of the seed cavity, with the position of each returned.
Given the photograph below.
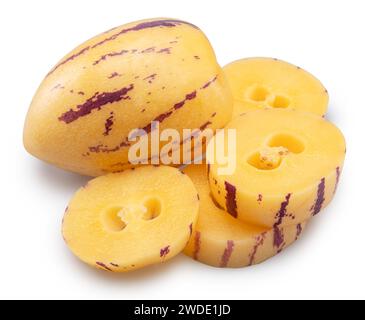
(267, 97)
(277, 149)
(116, 219)
(279, 101)
(112, 220)
(258, 93)
(287, 141)
(153, 209)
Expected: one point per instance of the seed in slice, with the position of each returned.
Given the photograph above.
(271, 83)
(220, 240)
(129, 220)
(288, 165)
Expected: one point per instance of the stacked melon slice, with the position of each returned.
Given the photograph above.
(288, 162)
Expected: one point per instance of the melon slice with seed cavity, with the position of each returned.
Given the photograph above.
(125, 221)
(271, 83)
(287, 165)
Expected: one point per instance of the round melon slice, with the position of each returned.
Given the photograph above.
(271, 83)
(220, 240)
(286, 167)
(126, 221)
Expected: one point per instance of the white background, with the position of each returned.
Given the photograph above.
(324, 37)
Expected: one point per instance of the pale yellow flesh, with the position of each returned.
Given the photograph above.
(113, 223)
(259, 83)
(217, 231)
(273, 185)
(170, 73)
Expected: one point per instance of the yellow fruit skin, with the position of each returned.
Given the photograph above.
(299, 187)
(161, 70)
(259, 83)
(220, 240)
(147, 239)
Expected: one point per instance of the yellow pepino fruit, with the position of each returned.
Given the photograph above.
(125, 221)
(161, 70)
(288, 165)
(271, 83)
(220, 240)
